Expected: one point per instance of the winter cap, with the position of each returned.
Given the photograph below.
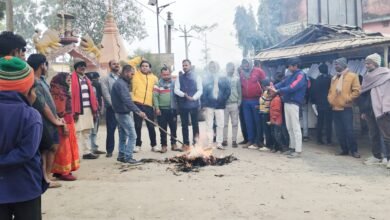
(78, 62)
(342, 62)
(15, 75)
(376, 58)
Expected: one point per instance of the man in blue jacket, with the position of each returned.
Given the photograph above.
(21, 175)
(216, 92)
(293, 90)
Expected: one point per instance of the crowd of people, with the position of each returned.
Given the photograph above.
(46, 128)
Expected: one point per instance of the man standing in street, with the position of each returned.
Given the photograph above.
(142, 92)
(165, 106)
(189, 89)
(232, 106)
(124, 109)
(111, 123)
(293, 89)
(376, 108)
(85, 108)
(344, 89)
(319, 97)
(216, 92)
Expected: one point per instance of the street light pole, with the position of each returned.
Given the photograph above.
(158, 27)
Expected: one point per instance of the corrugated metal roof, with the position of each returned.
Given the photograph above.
(320, 47)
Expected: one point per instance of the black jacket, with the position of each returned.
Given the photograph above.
(319, 91)
(121, 99)
(224, 90)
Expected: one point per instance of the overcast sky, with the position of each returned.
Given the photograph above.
(222, 41)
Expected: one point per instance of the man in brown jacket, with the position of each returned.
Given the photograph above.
(344, 89)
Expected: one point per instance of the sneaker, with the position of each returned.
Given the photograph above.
(220, 147)
(294, 155)
(224, 143)
(264, 149)
(253, 147)
(373, 161)
(243, 142)
(90, 156)
(355, 155)
(234, 144)
(247, 145)
(164, 149)
(156, 149)
(136, 149)
(132, 161)
(289, 151)
(108, 155)
(185, 148)
(384, 161)
(98, 152)
(120, 159)
(175, 148)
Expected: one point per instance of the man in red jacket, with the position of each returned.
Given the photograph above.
(251, 92)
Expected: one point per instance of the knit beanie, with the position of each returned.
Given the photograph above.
(376, 58)
(342, 62)
(15, 75)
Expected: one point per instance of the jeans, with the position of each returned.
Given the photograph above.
(384, 127)
(111, 124)
(242, 123)
(218, 114)
(148, 110)
(252, 120)
(28, 210)
(184, 113)
(293, 127)
(266, 130)
(232, 112)
(167, 118)
(305, 119)
(279, 141)
(324, 118)
(343, 121)
(127, 135)
(93, 135)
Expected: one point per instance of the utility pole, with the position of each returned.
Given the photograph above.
(202, 30)
(186, 36)
(169, 26)
(10, 15)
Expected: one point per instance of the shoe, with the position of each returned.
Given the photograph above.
(289, 151)
(54, 184)
(120, 159)
(164, 149)
(132, 161)
(342, 153)
(372, 161)
(234, 144)
(274, 151)
(67, 177)
(224, 143)
(175, 148)
(247, 144)
(90, 156)
(156, 149)
(98, 152)
(185, 148)
(136, 149)
(108, 155)
(385, 161)
(220, 147)
(264, 149)
(306, 139)
(214, 139)
(243, 142)
(294, 155)
(355, 155)
(320, 142)
(253, 147)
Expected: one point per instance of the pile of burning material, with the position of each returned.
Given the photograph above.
(194, 159)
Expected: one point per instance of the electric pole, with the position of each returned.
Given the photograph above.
(186, 36)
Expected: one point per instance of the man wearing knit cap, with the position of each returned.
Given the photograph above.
(21, 176)
(374, 104)
(344, 89)
(85, 108)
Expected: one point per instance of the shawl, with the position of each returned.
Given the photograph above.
(76, 95)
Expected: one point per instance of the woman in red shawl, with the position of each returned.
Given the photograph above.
(67, 157)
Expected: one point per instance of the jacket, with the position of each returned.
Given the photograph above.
(293, 88)
(276, 111)
(142, 88)
(250, 86)
(235, 87)
(264, 103)
(106, 84)
(121, 98)
(349, 92)
(163, 95)
(21, 175)
(218, 102)
(77, 105)
(191, 84)
(319, 92)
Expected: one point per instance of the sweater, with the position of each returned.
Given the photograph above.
(250, 86)
(121, 98)
(142, 88)
(293, 88)
(276, 111)
(21, 176)
(235, 90)
(77, 104)
(350, 91)
(163, 95)
(264, 103)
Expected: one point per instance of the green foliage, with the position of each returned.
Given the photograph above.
(2, 10)
(26, 17)
(245, 25)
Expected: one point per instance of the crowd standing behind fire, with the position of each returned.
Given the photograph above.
(47, 128)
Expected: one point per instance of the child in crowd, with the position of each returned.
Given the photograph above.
(276, 122)
(264, 108)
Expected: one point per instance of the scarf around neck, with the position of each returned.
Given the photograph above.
(339, 86)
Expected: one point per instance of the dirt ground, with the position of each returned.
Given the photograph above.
(260, 185)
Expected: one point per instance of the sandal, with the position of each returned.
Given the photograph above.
(53, 184)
